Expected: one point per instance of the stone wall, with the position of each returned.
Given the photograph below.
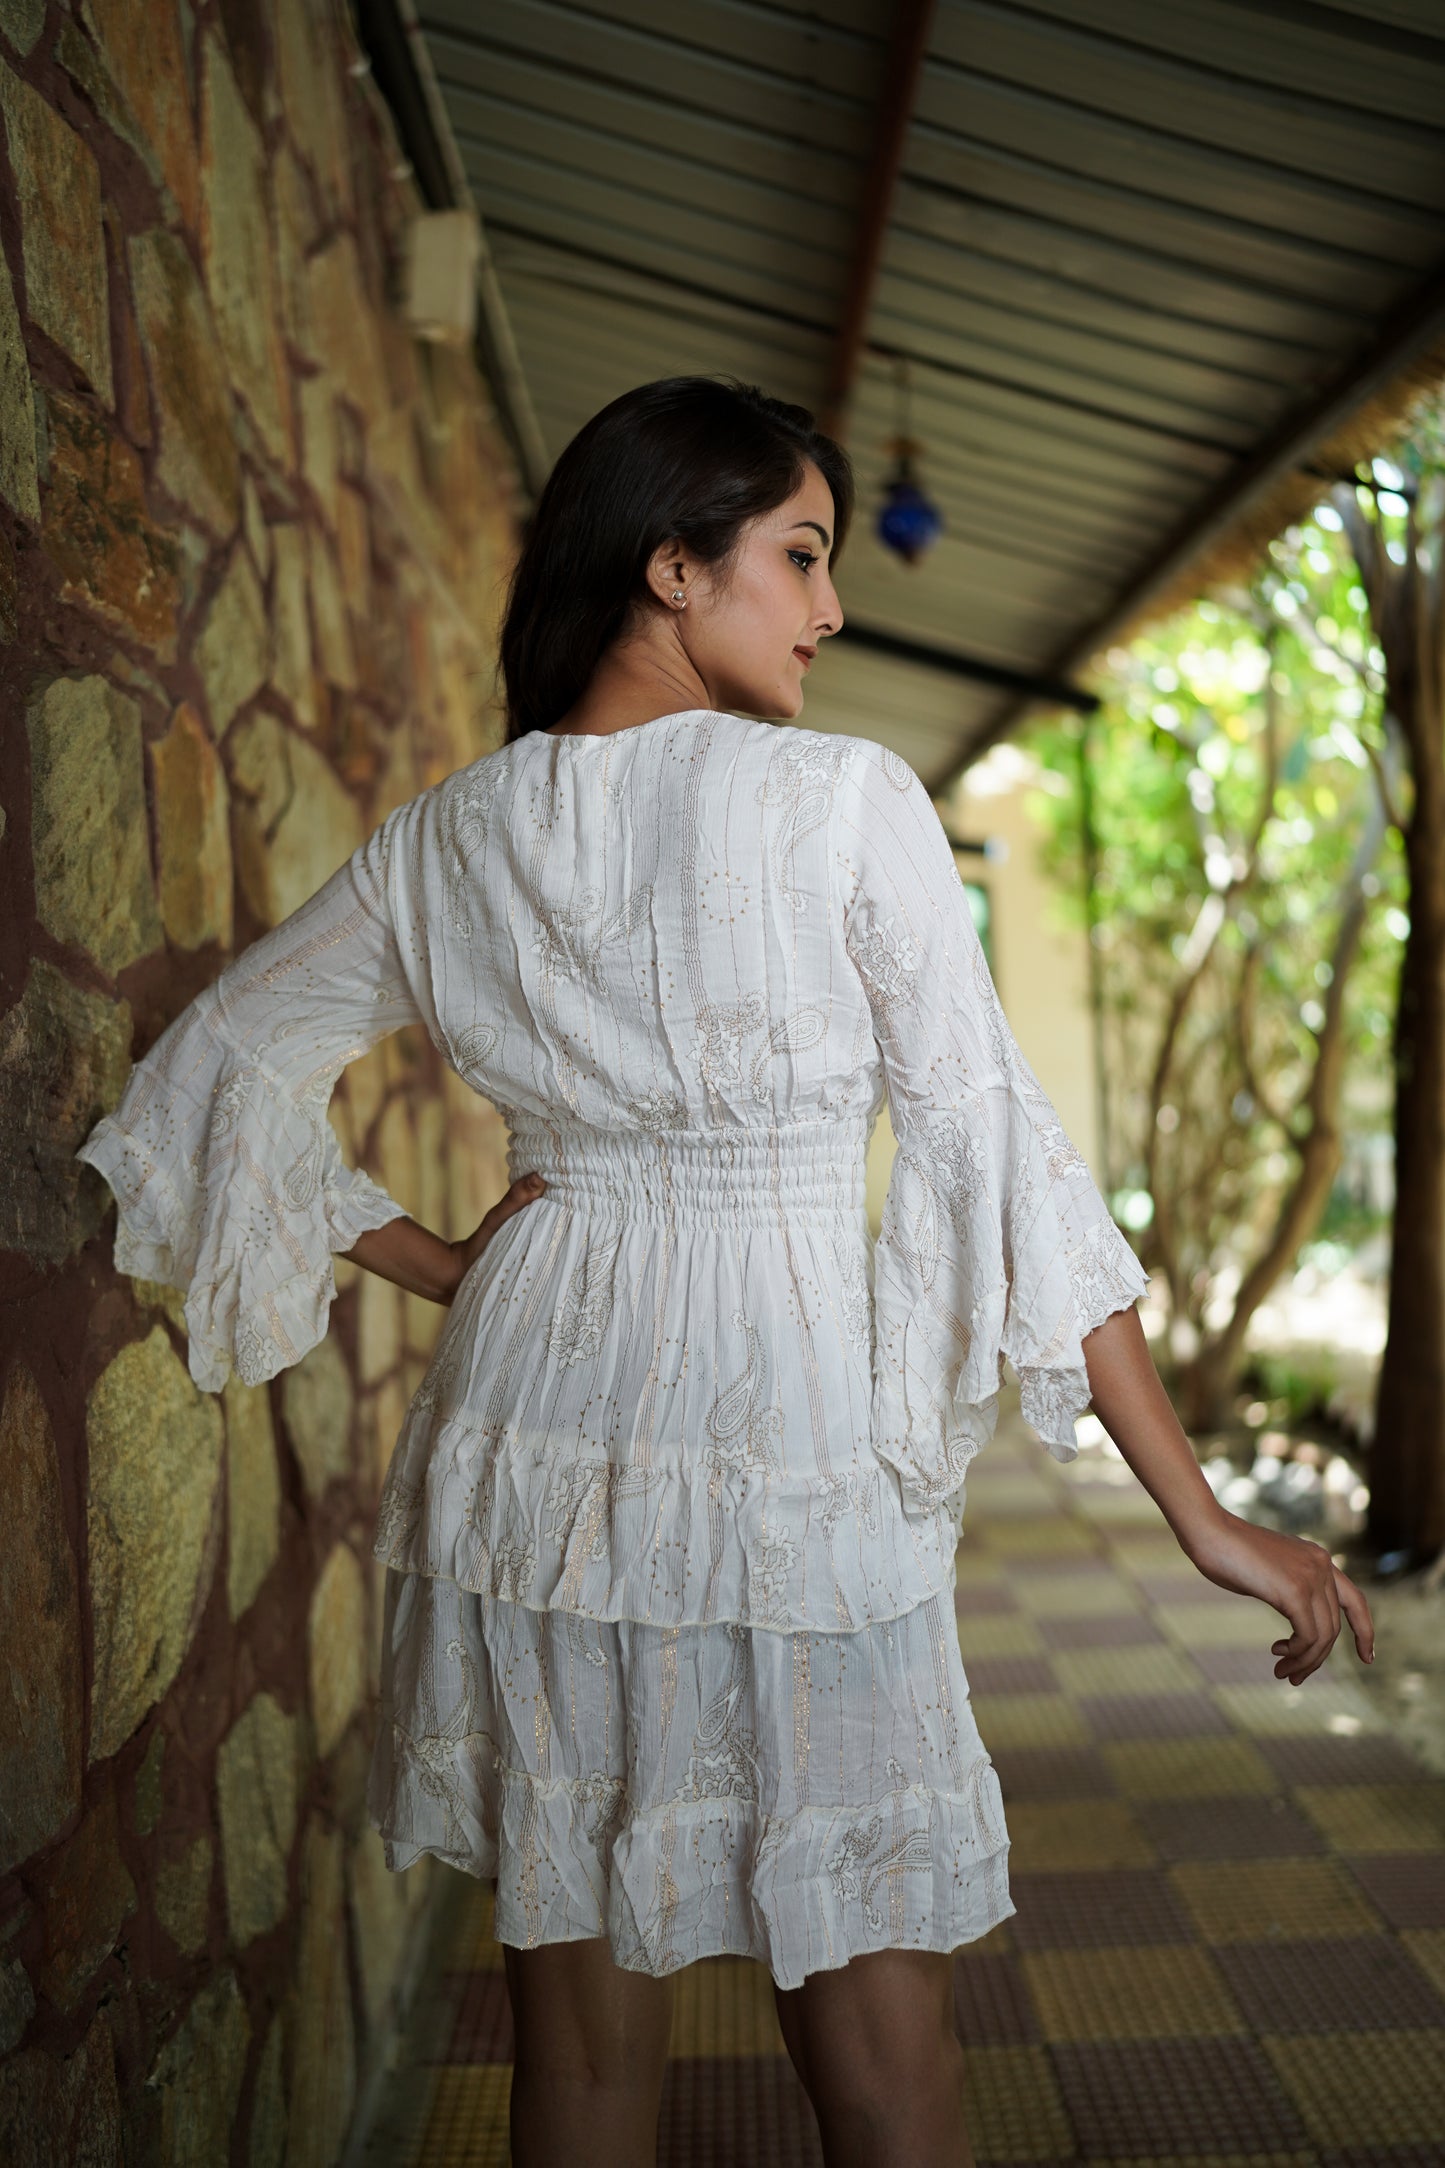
(252, 544)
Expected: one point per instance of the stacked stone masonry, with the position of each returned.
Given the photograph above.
(253, 542)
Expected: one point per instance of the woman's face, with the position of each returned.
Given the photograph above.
(752, 639)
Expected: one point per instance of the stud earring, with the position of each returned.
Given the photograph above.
(679, 596)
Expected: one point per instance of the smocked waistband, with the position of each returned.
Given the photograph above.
(697, 1177)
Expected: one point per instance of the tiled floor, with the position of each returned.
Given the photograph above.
(1230, 1937)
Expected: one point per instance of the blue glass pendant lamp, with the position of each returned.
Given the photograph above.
(908, 521)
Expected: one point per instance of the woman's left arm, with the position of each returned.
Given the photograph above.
(411, 1256)
(1294, 1574)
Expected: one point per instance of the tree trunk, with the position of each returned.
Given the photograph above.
(1206, 1382)
(1407, 1458)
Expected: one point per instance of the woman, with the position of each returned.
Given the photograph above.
(669, 1646)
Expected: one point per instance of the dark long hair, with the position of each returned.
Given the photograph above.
(692, 456)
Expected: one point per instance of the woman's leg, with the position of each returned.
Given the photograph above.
(875, 2046)
(591, 2046)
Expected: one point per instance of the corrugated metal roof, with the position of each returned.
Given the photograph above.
(1126, 245)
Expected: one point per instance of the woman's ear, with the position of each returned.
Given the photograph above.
(668, 570)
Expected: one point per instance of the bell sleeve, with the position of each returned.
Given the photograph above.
(994, 1241)
(228, 1177)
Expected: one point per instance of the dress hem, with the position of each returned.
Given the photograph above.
(919, 1866)
(401, 1856)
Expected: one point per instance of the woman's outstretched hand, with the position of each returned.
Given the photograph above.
(1298, 1577)
(1294, 1574)
(524, 1191)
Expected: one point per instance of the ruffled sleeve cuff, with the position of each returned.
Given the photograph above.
(995, 1244)
(232, 1188)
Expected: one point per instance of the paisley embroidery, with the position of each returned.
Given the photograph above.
(577, 1328)
(855, 1297)
(659, 1111)
(777, 1558)
(573, 939)
(850, 1493)
(856, 1874)
(432, 1754)
(581, 1498)
(471, 1047)
(803, 780)
(744, 1431)
(722, 1027)
(301, 1183)
(441, 1372)
(887, 962)
(227, 1101)
(793, 1034)
(398, 1517)
(723, 1763)
(464, 804)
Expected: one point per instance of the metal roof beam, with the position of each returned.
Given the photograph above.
(973, 667)
(912, 21)
(1409, 331)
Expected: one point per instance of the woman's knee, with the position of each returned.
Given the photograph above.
(582, 2019)
(879, 2027)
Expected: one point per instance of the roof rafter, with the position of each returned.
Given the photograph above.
(912, 22)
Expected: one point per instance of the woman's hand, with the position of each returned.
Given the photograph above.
(524, 1191)
(1298, 1577)
(1294, 1574)
(411, 1256)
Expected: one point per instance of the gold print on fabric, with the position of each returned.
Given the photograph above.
(886, 960)
(463, 829)
(398, 1517)
(777, 1559)
(580, 1499)
(723, 1763)
(855, 1873)
(471, 1047)
(658, 1112)
(432, 1754)
(789, 1035)
(742, 1429)
(803, 780)
(564, 941)
(853, 1493)
(722, 1027)
(855, 1297)
(575, 1332)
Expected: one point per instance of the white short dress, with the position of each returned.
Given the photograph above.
(670, 1647)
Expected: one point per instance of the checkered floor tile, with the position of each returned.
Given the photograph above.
(1229, 1947)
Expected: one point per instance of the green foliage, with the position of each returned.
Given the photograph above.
(1299, 1385)
(1232, 782)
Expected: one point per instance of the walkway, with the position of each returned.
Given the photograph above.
(1230, 1937)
